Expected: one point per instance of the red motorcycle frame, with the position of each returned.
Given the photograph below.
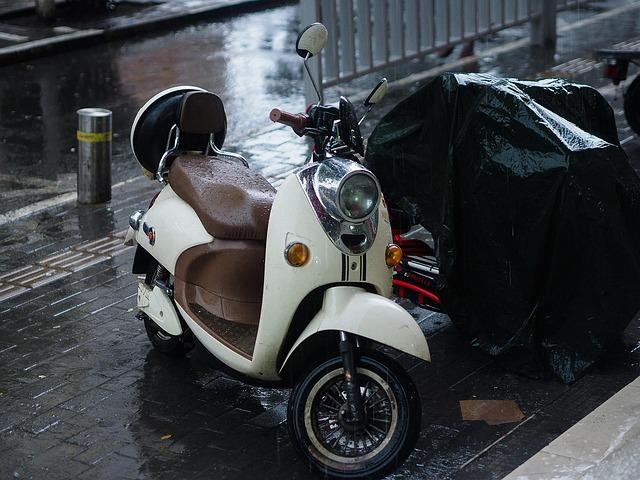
(416, 275)
(616, 69)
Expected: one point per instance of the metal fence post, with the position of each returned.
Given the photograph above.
(543, 28)
(94, 155)
(310, 13)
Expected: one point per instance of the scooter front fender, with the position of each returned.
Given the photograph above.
(353, 310)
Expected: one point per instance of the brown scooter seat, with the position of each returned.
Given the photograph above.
(231, 201)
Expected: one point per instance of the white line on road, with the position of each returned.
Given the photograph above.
(38, 207)
(12, 37)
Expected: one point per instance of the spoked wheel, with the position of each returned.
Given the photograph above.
(319, 422)
(173, 345)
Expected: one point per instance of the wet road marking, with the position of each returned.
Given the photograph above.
(12, 37)
(44, 429)
(43, 205)
(49, 390)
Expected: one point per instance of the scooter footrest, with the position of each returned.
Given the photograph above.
(239, 336)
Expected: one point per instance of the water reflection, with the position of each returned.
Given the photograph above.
(192, 420)
(248, 60)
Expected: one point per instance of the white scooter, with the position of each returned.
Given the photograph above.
(287, 288)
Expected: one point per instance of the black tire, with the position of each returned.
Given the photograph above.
(374, 455)
(172, 345)
(632, 105)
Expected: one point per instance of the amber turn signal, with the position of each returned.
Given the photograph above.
(393, 255)
(297, 254)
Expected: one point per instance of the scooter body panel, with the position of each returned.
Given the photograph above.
(175, 228)
(353, 310)
(221, 351)
(294, 220)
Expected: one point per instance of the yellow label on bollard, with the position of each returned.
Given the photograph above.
(93, 137)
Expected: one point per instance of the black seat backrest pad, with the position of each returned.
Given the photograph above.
(202, 113)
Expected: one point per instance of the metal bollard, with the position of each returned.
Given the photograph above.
(46, 9)
(94, 155)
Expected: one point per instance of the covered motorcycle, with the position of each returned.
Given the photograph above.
(533, 205)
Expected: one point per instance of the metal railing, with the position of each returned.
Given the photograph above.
(366, 36)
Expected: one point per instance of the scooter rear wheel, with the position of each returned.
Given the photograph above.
(173, 345)
(339, 449)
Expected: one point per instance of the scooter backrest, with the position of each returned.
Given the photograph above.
(202, 114)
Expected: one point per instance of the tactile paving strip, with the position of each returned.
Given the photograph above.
(579, 66)
(60, 264)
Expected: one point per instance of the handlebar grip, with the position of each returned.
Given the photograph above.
(297, 121)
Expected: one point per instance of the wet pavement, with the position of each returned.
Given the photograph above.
(82, 394)
(247, 59)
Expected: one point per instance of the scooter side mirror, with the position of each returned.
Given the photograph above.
(377, 94)
(311, 40)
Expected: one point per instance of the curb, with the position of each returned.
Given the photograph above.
(46, 46)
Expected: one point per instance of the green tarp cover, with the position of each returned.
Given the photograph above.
(534, 208)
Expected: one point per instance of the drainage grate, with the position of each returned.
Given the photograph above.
(60, 264)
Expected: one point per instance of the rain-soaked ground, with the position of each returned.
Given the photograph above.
(81, 391)
(247, 59)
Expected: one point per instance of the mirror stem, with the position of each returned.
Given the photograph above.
(313, 82)
(365, 115)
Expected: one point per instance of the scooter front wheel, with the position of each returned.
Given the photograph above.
(374, 447)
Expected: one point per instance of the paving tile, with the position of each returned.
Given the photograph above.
(272, 417)
(48, 463)
(90, 399)
(548, 465)
(112, 466)
(8, 291)
(45, 420)
(11, 420)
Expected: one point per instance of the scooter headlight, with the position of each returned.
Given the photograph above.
(358, 196)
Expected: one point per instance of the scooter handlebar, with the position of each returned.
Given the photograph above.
(297, 121)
